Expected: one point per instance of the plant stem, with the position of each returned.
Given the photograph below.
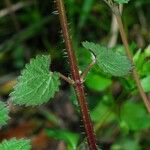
(129, 54)
(84, 74)
(76, 77)
(70, 81)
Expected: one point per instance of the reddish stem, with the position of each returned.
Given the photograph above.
(76, 77)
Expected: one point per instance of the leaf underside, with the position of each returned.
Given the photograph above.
(3, 114)
(109, 61)
(14, 144)
(37, 84)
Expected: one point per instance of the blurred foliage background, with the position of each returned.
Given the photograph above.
(31, 27)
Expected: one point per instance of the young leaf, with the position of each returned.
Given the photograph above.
(3, 113)
(37, 84)
(14, 144)
(121, 1)
(108, 60)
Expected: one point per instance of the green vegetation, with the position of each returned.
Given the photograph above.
(114, 71)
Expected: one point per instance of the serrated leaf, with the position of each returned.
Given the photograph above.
(37, 84)
(121, 1)
(14, 144)
(3, 113)
(109, 61)
(134, 115)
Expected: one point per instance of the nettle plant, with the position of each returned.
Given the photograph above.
(37, 84)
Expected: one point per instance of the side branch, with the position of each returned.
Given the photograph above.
(70, 81)
(129, 54)
(115, 10)
(88, 68)
(83, 75)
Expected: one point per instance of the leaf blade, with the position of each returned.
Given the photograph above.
(14, 144)
(37, 84)
(109, 61)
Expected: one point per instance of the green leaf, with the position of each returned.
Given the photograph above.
(121, 1)
(97, 82)
(135, 116)
(3, 113)
(146, 83)
(37, 84)
(14, 144)
(70, 138)
(109, 61)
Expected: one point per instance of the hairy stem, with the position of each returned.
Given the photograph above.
(84, 74)
(76, 77)
(66, 79)
(129, 54)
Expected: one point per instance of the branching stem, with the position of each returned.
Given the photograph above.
(70, 81)
(76, 77)
(84, 74)
(129, 54)
(115, 10)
